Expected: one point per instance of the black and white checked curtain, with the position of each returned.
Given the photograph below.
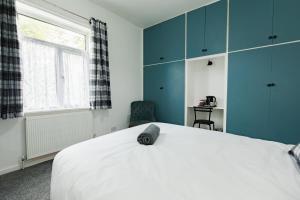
(100, 94)
(10, 72)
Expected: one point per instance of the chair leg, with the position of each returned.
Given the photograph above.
(199, 125)
(213, 127)
(209, 127)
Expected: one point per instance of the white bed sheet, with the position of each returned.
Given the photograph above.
(184, 164)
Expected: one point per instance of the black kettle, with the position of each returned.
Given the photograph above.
(211, 100)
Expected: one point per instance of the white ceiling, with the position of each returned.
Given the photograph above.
(145, 13)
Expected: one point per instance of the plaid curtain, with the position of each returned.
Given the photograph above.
(100, 94)
(10, 72)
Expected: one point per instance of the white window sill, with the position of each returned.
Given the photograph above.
(54, 111)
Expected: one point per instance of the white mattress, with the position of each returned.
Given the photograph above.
(184, 164)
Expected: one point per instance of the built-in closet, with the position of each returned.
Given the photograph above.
(246, 53)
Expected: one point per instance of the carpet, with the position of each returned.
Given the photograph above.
(32, 183)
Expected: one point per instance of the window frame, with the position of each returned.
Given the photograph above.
(39, 14)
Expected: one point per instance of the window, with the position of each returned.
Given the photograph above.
(54, 62)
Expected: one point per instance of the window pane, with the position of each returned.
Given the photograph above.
(55, 75)
(33, 28)
(75, 80)
(39, 66)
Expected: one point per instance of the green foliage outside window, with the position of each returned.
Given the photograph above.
(36, 29)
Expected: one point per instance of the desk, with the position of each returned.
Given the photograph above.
(214, 108)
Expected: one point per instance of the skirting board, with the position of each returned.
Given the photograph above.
(27, 163)
(35, 161)
(10, 169)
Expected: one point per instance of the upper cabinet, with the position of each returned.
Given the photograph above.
(165, 42)
(256, 23)
(286, 20)
(216, 27)
(206, 30)
(250, 23)
(196, 33)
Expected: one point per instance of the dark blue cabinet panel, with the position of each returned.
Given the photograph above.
(285, 95)
(165, 42)
(263, 93)
(250, 23)
(164, 85)
(196, 33)
(206, 30)
(249, 72)
(286, 20)
(216, 27)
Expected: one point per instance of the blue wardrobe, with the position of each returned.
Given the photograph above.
(264, 69)
(262, 42)
(164, 69)
(263, 93)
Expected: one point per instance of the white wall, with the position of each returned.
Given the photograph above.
(203, 80)
(126, 55)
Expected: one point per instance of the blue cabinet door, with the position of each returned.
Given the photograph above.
(285, 95)
(250, 23)
(165, 42)
(196, 33)
(206, 30)
(164, 85)
(216, 27)
(286, 20)
(249, 72)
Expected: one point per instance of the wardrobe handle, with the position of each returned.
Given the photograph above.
(273, 37)
(271, 85)
(161, 88)
(204, 50)
(161, 58)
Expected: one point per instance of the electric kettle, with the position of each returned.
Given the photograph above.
(211, 101)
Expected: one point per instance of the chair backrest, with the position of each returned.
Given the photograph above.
(142, 110)
(203, 109)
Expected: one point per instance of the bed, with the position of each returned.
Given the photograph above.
(184, 164)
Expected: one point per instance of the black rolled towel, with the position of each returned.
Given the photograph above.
(149, 135)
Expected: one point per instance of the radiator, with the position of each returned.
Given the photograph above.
(51, 133)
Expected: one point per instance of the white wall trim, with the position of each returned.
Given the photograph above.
(10, 169)
(27, 163)
(225, 94)
(261, 47)
(207, 57)
(185, 91)
(228, 25)
(32, 162)
(174, 61)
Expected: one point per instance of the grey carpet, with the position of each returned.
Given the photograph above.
(32, 183)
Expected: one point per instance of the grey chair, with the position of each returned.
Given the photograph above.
(142, 112)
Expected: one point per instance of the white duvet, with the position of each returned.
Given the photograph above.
(184, 164)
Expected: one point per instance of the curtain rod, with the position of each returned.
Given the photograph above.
(73, 13)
